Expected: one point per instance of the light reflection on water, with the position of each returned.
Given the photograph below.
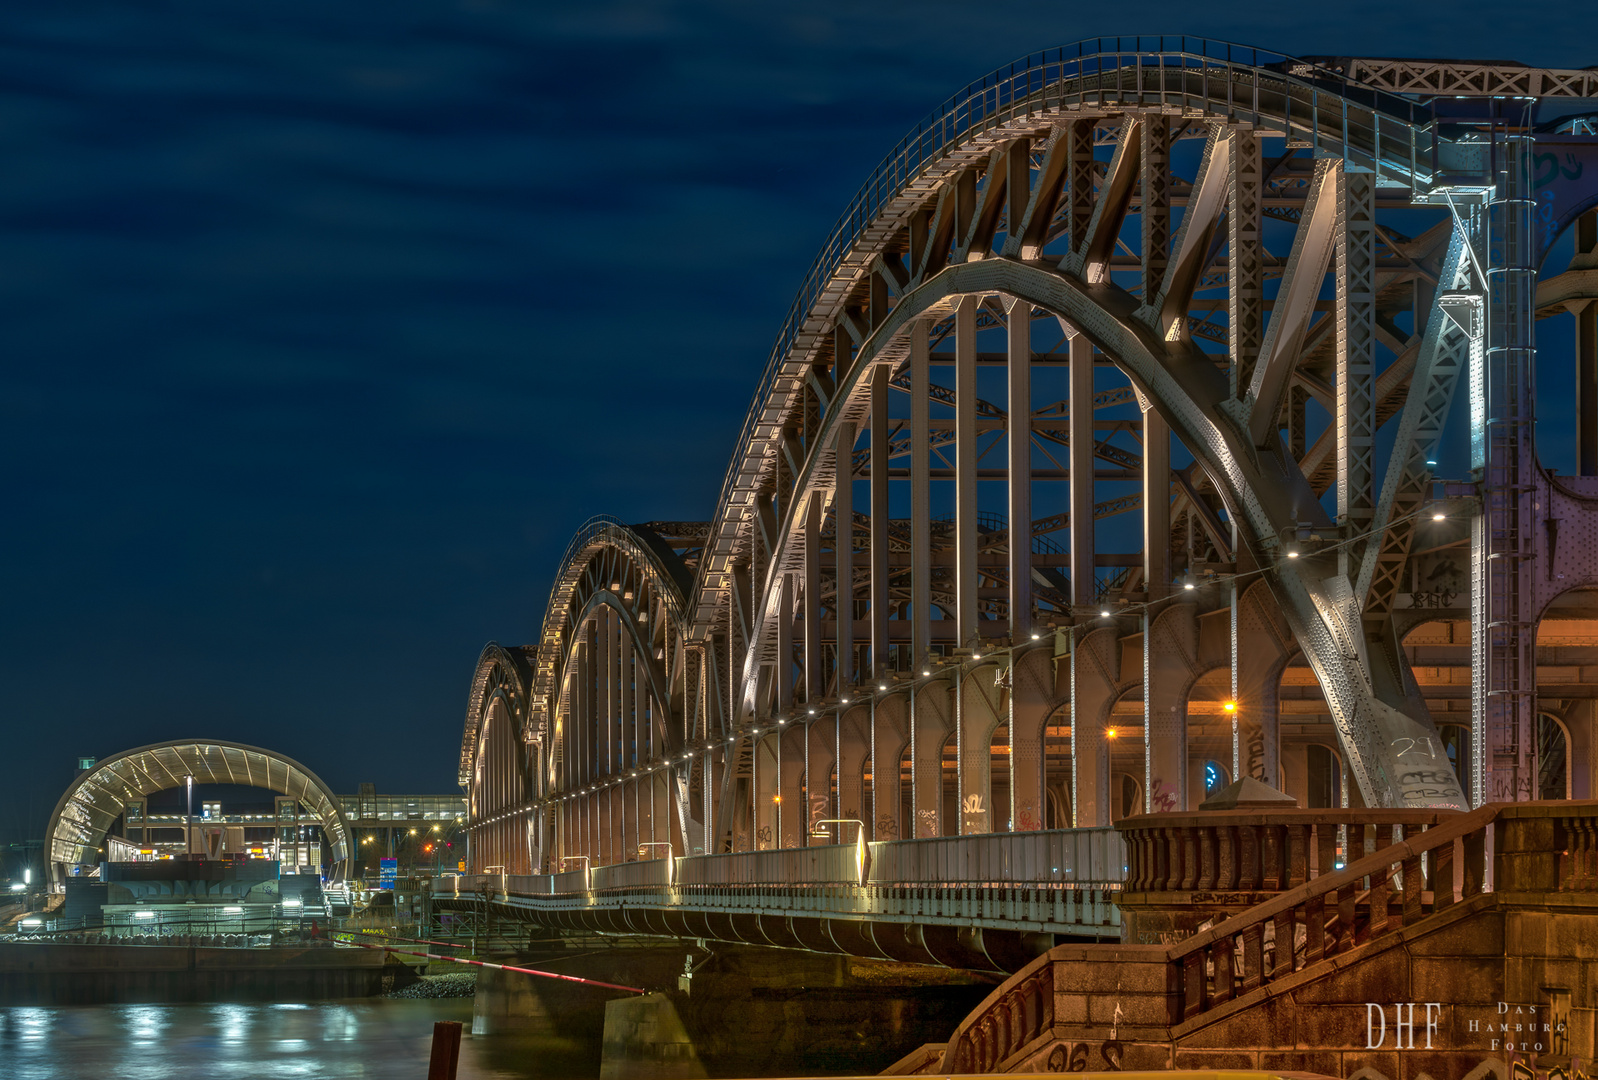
(262, 1041)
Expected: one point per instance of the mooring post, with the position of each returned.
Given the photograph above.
(446, 1050)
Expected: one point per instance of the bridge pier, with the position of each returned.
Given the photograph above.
(748, 1010)
(508, 1002)
(645, 1040)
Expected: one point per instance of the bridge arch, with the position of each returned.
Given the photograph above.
(988, 184)
(503, 675)
(92, 803)
(1121, 199)
(1566, 718)
(1185, 386)
(601, 773)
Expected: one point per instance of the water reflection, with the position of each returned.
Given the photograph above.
(232, 1022)
(143, 1026)
(326, 1041)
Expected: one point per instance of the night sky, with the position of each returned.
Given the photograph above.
(325, 325)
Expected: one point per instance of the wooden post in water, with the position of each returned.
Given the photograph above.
(446, 1050)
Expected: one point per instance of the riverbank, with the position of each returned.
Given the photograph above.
(448, 985)
(45, 973)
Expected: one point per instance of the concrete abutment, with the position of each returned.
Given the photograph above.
(747, 1010)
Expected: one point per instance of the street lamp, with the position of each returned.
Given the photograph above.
(188, 830)
(862, 855)
(587, 876)
(670, 862)
(834, 821)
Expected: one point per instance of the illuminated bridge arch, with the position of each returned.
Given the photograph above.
(499, 751)
(606, 689)
(94, 801)
(1020, 219)
(1081, 402)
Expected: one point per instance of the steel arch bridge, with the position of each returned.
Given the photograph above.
(1094, 466)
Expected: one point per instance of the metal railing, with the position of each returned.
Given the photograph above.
(251, 928)
(632, 875)
(826, 864)
(1061, 858)
(1089, 858)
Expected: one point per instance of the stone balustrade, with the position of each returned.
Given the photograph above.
(1185, 870)
(1467, 910)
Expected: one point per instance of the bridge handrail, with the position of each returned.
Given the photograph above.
(982, 104)
(1536, 848)
(1253, 849)
(632, 875)
(824, 864)
(1376, 866)
(1085, 857)
(1068, 858)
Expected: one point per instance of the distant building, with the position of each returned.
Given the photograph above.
(106, 816)
(423, 832)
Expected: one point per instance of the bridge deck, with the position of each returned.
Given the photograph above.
(1059, 882)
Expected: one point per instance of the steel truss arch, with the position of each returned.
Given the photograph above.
(1191, 392)
(823, 633)
(605, 690)
(597, 535)
(783, 477)
(501, 673)
(1192, 78)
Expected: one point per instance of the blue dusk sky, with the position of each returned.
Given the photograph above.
(324, 325)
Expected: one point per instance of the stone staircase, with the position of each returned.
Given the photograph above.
(1490, 916)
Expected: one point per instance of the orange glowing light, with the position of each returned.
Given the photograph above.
(1110, 733)
(1230, 706)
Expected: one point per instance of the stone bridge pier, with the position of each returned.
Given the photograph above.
(743, 1010)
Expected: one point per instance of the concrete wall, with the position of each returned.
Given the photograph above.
(70, 974)
(748, 1011)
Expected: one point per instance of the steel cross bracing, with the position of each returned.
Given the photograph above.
(1134, 145)
(1447, 79)
(923, 603)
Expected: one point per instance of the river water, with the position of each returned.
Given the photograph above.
(386, 1038)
